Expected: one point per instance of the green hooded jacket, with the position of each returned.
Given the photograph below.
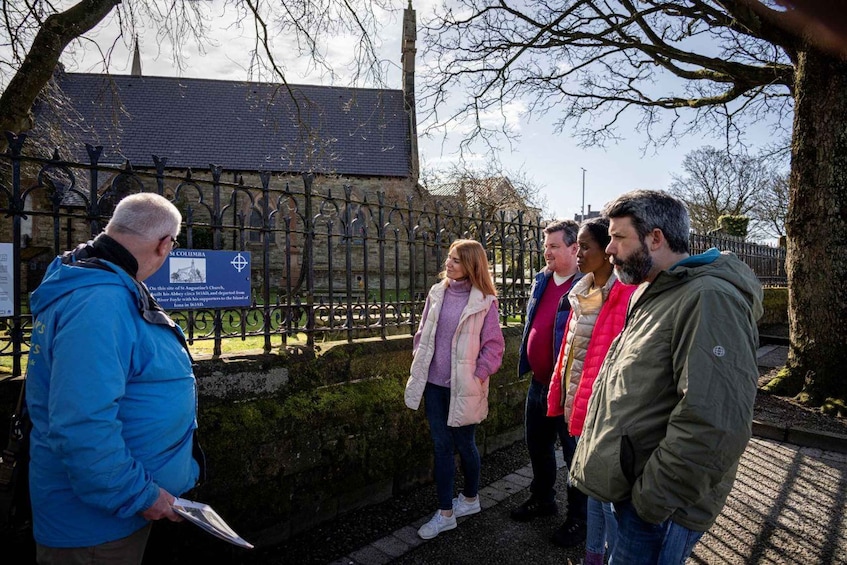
(672, 408)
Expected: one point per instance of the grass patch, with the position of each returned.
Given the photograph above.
(198, 348)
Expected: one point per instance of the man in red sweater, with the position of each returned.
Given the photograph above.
(547, 316)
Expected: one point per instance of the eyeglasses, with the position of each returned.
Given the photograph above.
(174, 242)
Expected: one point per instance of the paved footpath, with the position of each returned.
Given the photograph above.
(788, 505)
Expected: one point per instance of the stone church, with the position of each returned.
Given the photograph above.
(238, 158)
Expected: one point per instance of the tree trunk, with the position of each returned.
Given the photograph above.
(817, 230)
(37, 67)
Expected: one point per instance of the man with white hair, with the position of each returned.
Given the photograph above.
(111, 394)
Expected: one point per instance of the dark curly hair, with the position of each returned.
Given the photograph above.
(599, 230)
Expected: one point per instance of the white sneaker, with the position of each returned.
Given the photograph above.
(461, 506)
(438, 524)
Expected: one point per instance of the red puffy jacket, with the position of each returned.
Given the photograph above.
(609, 324)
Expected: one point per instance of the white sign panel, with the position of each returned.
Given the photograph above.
(7, 281)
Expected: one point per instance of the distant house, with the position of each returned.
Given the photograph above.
(364, 138)
(486, 197)
(588, 215)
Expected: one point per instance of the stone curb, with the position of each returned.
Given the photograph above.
(802, 437)
(773, 340)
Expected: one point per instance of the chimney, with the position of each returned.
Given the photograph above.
(136, 60)
(407, 61)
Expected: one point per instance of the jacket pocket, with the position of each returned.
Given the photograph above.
(465, 377)
(627, 459)
(471, 396)
(637, 446)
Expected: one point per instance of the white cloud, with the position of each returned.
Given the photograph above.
(509, 115)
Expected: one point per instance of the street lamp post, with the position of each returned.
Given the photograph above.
(582, 214)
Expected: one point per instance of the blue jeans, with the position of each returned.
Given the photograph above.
(446, 439)
(601, 527)
(641, 542)
(541, 434)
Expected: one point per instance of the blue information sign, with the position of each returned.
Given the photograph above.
(201, 278)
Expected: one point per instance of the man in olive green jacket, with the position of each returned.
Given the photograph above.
(672, 408)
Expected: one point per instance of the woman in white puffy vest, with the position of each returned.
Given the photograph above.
(459, 344)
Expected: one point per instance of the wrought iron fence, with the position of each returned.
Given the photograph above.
(339, 262)
(332, 264)
(766, 261)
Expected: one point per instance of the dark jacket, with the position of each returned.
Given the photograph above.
(672, 408)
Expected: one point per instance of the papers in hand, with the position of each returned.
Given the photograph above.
(204, 516)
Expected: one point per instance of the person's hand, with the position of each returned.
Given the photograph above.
(162, 508)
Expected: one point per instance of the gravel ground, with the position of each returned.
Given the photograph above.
(184, 543)
(343, 535)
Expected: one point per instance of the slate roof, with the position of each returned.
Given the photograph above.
(241, 126)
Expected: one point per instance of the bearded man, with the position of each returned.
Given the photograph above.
(672, 408)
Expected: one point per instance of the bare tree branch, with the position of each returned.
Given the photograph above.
(37, 66)
(772, 208)
(587, 61)
(488, 189)
(716, 183)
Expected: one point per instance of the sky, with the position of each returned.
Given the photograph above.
(569, 177)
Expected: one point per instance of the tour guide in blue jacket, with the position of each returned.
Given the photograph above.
(111, 394)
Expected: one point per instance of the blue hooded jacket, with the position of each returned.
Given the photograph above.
(112, 400)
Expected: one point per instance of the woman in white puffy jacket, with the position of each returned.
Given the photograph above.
(459, 344)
